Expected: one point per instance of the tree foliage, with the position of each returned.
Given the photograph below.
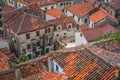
(23, 58)
(110, 36)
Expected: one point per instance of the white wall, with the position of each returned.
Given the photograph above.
(4, 45)
(19, 5)
(81, 21)
(49, 17)
(49, 7)
(60, 69)
(64, 2)
(11, 3)
(24, 42)
(69, 32)
(80, 38)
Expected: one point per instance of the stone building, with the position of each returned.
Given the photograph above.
(28, 34)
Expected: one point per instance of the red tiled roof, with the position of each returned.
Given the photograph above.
(4, 62)
(8, 75)
(45, 75)
(100, 15)
(108, 51)
(21, 22)
(8, 8)
(81, 9)
(40, 2)
(97, 16)
(7, 52)
(80, 63)
(36, 72)
(84, 27)
(115, 5)
(63, 22)
(93, 33)
(83, 65)
(55, 13)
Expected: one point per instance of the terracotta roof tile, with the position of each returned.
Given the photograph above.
(44, 75)
(36, 72)
(81, 9)
(40, 2)
(21, 22)
(84, 27)
(55, 13)
(100, 15)
(7, 52)
(97, 16)
(82, 64)
(8, 8)
(98, 31)
(8, 75)
(4, 62)
(78, 63)
(115, 5)
(64, 21)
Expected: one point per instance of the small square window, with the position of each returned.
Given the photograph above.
(28, 47)
(57, 68)
(57, 35)
(69, 26)
(48, 30)
(61, 4)
(37, 33)
(64, 33)
(46, 8)
(45, 30)
(38, 43)
(81, 35)
(27, 36)
(52, 7)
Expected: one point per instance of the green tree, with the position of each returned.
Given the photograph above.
(110, 35)
(23, 58)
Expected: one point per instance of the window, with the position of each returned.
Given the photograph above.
(69, 26)
(73, 15)
(38, 43)
(92, 26)
(19, 5)
(46, 8)
(64, 33)
(11, 2)
(52, 7)
(59, 28)
(85, 20)
(27, 36)
(67, 3)
(78, 18)
(81, 35)
(45, 30)
(62, 10)
(61, 4)
(37, 33)
(28, 47)
(0, 23)
(57, 68)
(57, 35)
(70, 3)
(0, 9)
(48, 30)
